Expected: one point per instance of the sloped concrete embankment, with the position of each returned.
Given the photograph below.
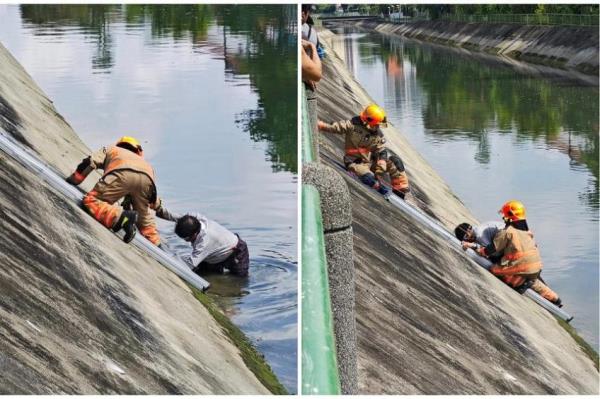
(80, 311)
(564, 47)
(430, 321)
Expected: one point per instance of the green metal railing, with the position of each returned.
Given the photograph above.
(526, 19)
(320, 374)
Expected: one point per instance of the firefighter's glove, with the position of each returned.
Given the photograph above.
(75, 179)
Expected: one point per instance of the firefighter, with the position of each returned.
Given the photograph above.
(520, 263)
(126, 173)
(365, 153)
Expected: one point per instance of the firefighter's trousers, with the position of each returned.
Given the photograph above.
(100, 202)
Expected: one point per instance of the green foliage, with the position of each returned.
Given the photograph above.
(268, 56)
(468, 98)
(585, 347)
(252, 358)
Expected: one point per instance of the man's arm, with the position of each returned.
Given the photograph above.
(199, 252)
(163, 213)
(311, 63)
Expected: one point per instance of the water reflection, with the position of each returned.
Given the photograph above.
(467, 100)
(258, 41)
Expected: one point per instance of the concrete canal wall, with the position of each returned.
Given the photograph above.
(81, 312)
(565, 47)
(429, 321)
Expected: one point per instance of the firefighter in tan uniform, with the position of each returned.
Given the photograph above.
(365, 152)
(126, 173)
(520, 263)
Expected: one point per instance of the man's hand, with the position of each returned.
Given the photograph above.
(321, 125)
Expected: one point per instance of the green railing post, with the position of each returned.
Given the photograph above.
(320, 374)
(319, 361)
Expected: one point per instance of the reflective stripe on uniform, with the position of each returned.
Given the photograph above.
(357, 151)
(400, 182)
(151, 234)
(519, 255)
(102, 211)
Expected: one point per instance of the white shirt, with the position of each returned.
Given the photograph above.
(213, 244)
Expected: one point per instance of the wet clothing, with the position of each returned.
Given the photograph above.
(215, 248)
(237, 263)
(485, 232)
(520, 260)
(125, 174)
(365, 152)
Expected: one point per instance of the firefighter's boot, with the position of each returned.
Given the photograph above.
(127, 222)
(370, 180)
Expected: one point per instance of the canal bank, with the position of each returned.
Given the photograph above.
(566, 47)
(82, 312)
(428, 320)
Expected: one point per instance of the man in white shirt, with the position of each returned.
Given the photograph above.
(214, 248)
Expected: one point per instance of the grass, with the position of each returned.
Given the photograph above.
(585, 347)
(252, 358)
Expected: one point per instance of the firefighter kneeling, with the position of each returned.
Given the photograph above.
(126, 173)
(520, 262)
(365, 153)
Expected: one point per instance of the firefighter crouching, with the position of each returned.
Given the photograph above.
(126, 173)
(520, 262)
(365, 152)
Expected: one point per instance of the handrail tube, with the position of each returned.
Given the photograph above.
(32, 163)
(320, 374)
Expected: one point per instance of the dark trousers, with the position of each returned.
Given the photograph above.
(237, 263)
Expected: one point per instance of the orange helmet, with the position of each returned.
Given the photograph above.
(130, 141)
(512, 211)
(373, 116)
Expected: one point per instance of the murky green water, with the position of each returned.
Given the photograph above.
(211, 93)
(496, 134)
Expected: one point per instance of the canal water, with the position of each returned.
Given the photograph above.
(211, 93)
(495, 134)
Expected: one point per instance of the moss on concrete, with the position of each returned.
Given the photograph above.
(585, 347)
(252, 358)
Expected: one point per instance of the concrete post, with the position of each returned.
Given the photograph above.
(311, 100)
(336, 210)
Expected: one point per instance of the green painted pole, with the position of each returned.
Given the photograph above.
(319, 364)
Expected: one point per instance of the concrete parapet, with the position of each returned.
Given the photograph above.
(340, 265)
(337, 225)
(311, 100)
